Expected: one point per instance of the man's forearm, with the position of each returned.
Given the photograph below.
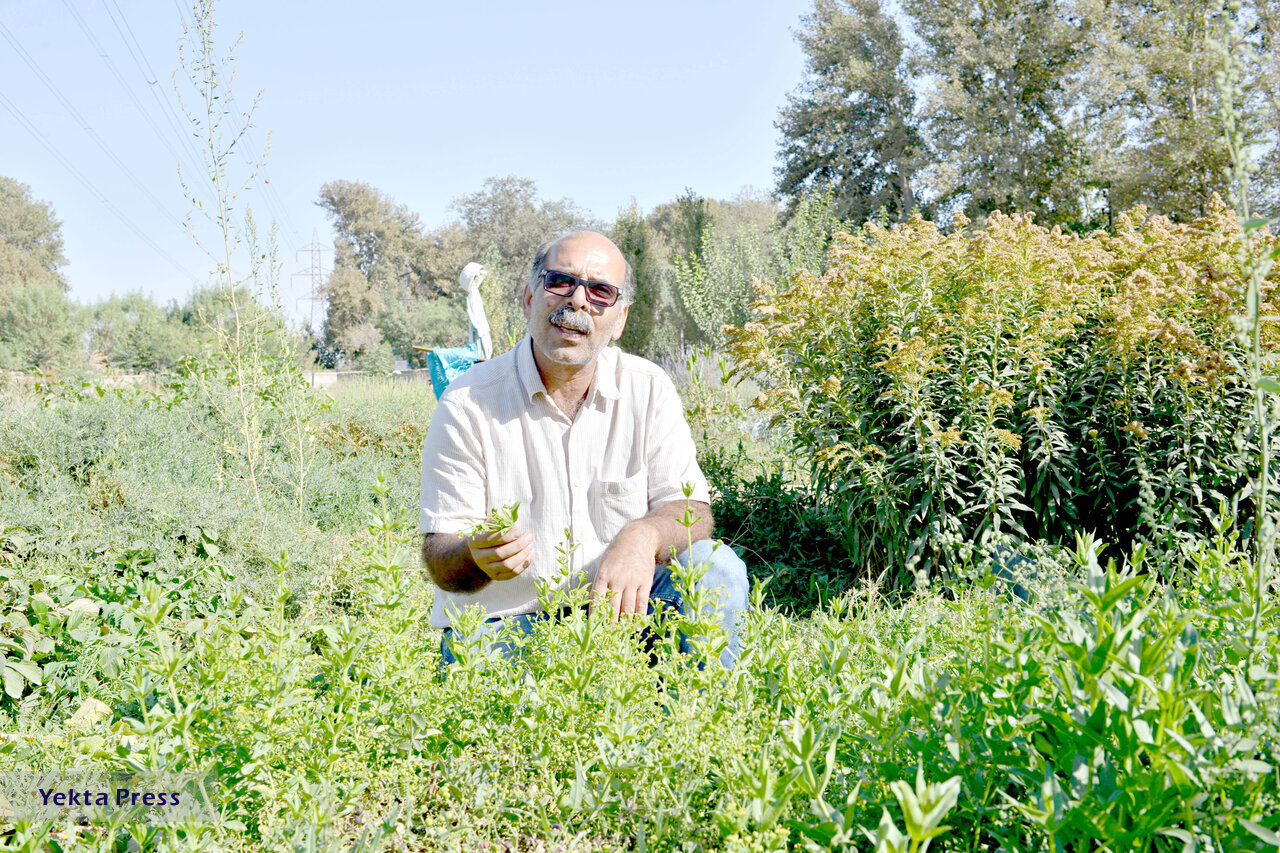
(448, 562)
(664, 525)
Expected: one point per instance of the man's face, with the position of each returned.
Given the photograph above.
(568, 330)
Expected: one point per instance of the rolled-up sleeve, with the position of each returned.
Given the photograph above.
(672, 459)
(452, 491)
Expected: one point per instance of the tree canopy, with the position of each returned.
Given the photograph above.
(30, 239)
(1053, 107)
(852, 127)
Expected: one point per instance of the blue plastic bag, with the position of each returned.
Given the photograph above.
(447, 364)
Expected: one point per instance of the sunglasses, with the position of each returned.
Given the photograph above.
(599, 293)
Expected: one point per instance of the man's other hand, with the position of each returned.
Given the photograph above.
(626, 569)
(502, 556)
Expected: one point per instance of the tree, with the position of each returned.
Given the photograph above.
(1002, 73)
(634, 237)
(377, 236)
(351, 301)
(422, 322)
(388, 275)
(1267, 30)
(30, 239)
(852, 127)
(678, 225)
(508, 214)
(40, 328)
(1172, 156)
(134, 334)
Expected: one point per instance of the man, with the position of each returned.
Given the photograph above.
(588, 439)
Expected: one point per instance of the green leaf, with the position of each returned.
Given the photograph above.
(1261, 832)
(1269, 384)
(1188, 840)
(1255, 224)
(28, 669)
(12, 683)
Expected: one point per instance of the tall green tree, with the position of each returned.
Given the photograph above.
(351, 301)
(135, 334)
(1267, 31)
(1002, 74)
(508, 214)
(635, 238)
(379, 237)
(678, 225)
(388, 275)
(1174, 157)
(39, 326)
(30, 239)
(852, 127)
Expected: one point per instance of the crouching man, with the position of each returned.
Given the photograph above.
(586, 438)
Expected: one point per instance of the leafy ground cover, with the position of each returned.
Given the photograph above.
(1111, 711)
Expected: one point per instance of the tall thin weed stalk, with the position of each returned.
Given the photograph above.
(253, 392)
(1255, 263)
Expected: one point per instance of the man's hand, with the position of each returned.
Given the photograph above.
(626, 569)
(502, 555)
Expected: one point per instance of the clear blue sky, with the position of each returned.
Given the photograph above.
(597, 102)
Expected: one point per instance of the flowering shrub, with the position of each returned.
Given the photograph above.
(959, 391)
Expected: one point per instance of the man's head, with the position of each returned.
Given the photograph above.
(570, 329)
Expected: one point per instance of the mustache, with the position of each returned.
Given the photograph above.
(566, 317)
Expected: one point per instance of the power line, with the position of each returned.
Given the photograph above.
(167, 109)
(85, 126)
(128, 90)
(57, 155)
(275, 208)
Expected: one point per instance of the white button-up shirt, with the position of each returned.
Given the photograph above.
(497, 438)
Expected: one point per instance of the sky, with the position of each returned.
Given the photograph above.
(600, 103)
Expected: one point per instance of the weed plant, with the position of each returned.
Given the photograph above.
(1113, 713)
(961, 392)
(762, 501)
(104, 490)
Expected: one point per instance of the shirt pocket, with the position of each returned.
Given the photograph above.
(614, 503)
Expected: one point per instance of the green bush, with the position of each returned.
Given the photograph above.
(787, 539)
(961, 391)
(761, 504)
(135, 334)
(41, 328)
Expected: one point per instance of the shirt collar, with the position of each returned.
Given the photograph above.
(605, 383)
(606, 379)
(527, 370)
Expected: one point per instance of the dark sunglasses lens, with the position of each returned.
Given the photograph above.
(559, 282)
(602, 294)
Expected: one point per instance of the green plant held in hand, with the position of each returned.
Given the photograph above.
(499, 523)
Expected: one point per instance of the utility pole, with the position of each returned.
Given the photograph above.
(317, 273)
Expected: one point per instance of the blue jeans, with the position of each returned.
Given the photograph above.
(725, 572)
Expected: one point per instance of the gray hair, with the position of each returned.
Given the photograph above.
(628, 287)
